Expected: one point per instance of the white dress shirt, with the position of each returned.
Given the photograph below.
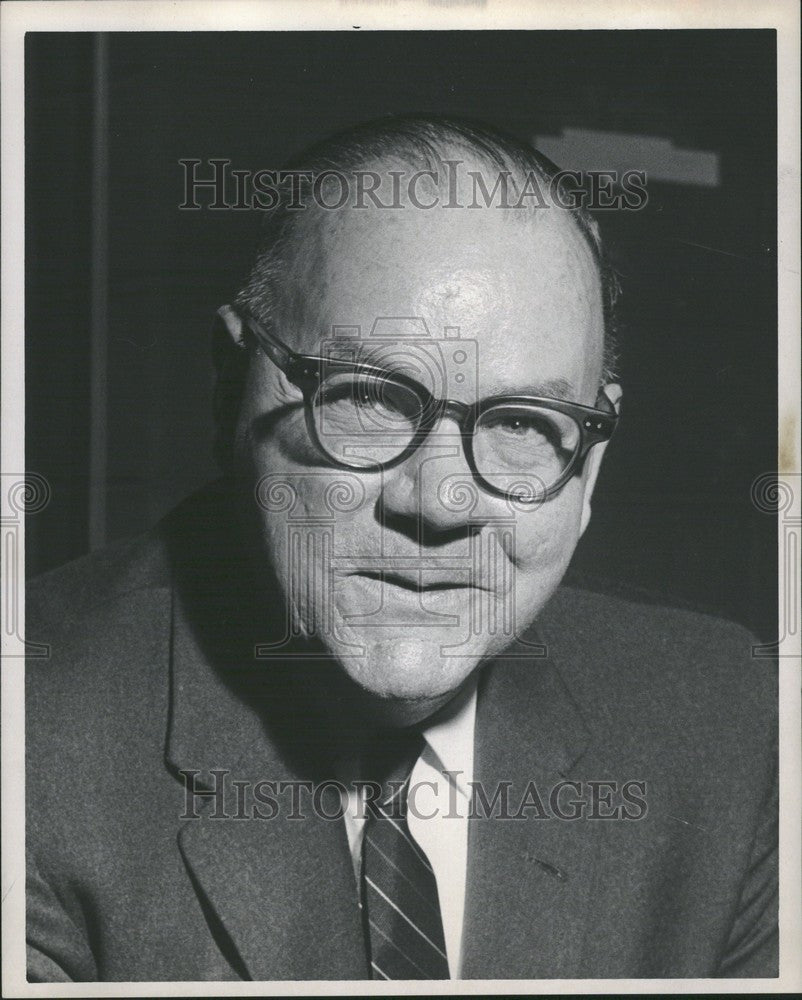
(437, 813)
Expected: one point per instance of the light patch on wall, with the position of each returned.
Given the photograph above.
(591, 149)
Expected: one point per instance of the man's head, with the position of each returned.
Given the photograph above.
(413, 574)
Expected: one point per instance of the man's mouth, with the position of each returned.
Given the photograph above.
(421, 582)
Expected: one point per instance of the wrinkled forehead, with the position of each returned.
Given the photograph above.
(523, 287)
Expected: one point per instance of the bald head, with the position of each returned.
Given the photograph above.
(424, 180)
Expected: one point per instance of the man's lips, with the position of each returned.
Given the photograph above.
(422, 582)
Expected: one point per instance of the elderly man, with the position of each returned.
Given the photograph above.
(336, 717)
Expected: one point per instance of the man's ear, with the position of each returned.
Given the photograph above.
(230, 358)
(228, 321)
(594, 459)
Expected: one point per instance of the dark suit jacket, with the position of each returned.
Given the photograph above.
(139, 684)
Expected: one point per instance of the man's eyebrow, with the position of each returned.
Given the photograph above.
(552, 388)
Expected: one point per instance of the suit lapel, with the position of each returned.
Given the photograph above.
(283, 893)
(279, 894)
(528, 877)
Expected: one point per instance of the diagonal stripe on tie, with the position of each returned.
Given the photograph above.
(377, 930)
(424, 899)
(403, 830)
(376, 969)
(400, 904)
(405, 916)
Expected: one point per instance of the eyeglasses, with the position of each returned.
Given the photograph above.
(361, 416)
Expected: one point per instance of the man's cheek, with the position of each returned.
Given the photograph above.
(304, 533)
(286, 513)
(544, 543)
(540, 537)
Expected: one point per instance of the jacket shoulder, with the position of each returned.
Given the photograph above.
(649, 658)
(622, 613)
(104, 624)
(81, 588)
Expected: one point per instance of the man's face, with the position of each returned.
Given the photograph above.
(413, 575)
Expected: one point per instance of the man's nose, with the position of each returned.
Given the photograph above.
(434, 492)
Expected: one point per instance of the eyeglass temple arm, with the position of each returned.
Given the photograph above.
(278, 353)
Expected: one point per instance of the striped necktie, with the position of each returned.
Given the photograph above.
(400, 905)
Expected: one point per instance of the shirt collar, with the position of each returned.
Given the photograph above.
(451, 737)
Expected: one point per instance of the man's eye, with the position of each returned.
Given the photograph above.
(346, 394)
(518, 425)
(355, 397)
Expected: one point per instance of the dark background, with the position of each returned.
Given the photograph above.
(122, 284)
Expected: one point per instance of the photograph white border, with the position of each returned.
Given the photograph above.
(17, 17)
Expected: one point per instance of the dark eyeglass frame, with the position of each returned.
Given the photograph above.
(306, 371)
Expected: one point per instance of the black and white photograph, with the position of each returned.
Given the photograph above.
(400, 499)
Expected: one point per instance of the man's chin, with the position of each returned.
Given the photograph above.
(403, 681)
